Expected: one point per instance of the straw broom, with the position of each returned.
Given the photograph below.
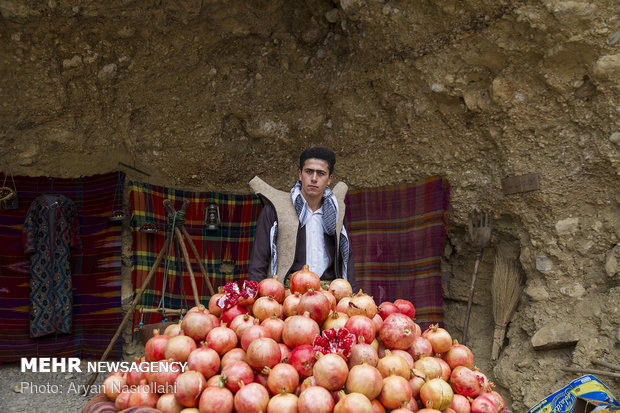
(506, 290)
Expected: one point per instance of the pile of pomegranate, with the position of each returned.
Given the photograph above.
(261, 348)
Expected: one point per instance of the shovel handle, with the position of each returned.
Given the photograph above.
(471, 296)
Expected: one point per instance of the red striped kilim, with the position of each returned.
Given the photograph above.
(95, 272)
(224, 252)
(397, 234)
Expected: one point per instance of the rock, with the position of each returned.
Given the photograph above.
(615, 138)
(567, 226)
(607, 66)
(351, 6)
(611, 262)
(575, 290)
(75, 61)
(107, 72)
(544, 264)
(613, 39)
(332, 15)
(555, 335)
(537, 292)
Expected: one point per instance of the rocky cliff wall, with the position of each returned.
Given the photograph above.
(204, 94)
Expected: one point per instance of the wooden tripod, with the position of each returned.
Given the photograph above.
(180, 232)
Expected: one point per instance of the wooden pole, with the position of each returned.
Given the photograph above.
(470, 301)
(591, 371)
(129, 312)
(192, 279)
(192, 246)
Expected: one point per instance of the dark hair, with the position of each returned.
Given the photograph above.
(318, 152)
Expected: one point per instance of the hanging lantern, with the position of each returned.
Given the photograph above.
(212, 217)
(149, 227)
(118, 213)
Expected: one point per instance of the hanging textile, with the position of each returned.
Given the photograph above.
(51, 230)
(225, 252)
(397, 234)
(96, 272)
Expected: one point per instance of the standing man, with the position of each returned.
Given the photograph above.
(305, 226)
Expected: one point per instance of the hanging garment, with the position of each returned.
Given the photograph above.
(51, 229)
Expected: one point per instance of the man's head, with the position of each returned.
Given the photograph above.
(318, 152)
(316, 165)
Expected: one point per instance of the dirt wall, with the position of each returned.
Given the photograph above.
(205, 94)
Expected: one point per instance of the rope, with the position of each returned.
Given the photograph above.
(176, 220)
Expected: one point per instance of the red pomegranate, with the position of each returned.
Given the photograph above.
(282, 378)
(420, 347)
(283, 403)
(303, 280)
(363, 352)
(315, 399)
(362, 304)
(299, 330)
(216, 399)
(340, 288)
(303, 359)
(335, 319)
(330, 371)
(459, 355)
(466, 382)
(291, 304)
(405, 307)
(236, 354)
(360, 325)
(235, 372)
(395, 392)
(365, 379)
(229, 314)
(213, 307)
(196, 325)
(271, 287)
(274, 325)
(397, 332)
(179, 347)
(386, 308)
(263, 352)
(265, 307)
(440, 339)
(393, 364)
(251, 398)
(222, 339)
(253, 333)
(315, 304)
(188, 386)
(113, 385)
(155, 347)
(204, 360)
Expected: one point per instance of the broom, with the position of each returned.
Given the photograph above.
(506, 290)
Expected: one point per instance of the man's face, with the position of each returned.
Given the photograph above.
(314, 178)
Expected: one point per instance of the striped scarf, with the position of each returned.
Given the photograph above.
(330, 217)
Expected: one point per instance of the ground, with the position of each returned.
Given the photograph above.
(205, 94)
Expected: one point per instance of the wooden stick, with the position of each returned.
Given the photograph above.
(591, 371)
(192, 246)
(168, 311)
(170, 208)
(130, 310)
(606, 364)
(471, 296)
(192, 278)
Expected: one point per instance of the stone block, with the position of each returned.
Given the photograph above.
(555, 335)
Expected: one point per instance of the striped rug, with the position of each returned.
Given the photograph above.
(225, 252)
(95, 271)
(397, 234)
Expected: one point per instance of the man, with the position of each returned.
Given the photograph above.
(305, 226)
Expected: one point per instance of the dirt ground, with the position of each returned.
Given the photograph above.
(205, 94)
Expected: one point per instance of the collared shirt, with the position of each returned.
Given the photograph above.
(316, 256)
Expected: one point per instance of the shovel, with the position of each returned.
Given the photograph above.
(479, 228)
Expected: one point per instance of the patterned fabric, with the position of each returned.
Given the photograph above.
(51, 229)
(99, 404)
(330, 217)
(397, 234)
(95, 272)
(225, 252)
